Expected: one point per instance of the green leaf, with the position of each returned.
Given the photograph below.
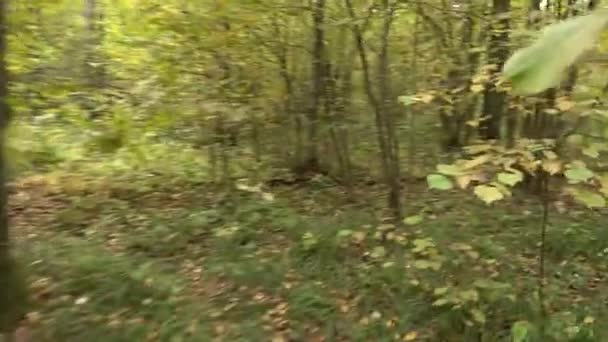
(478, 316)
(412, 220)
(440, 302)
(591, 152)
(426, 264)
(422, 244)
(407, 100)
(510, 178)
(378, 252)
(578, 173)
(519, 331)
(344, 233)
(490, 284)
(439, 182)
(589, 198)
(440, 291)
(469, 295)
(488, 193)
(541, 65)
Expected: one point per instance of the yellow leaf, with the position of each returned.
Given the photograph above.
(359, 237)
(426, 98)
(463, 181)
(473, 254)
(490, 67)
(469, 164)
(549, 154)
(552, 166)
(589, 320)
(81, 300)
(488, 193)
(482, 78)
(477, 88)
(479, 148)
(473, 123)
(604, 184)
(411, 336)
(563, 104)
(459, 246)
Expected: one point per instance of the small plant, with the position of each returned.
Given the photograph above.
(493, 170)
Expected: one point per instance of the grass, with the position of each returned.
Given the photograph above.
(119, 254)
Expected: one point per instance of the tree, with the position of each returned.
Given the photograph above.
(318, 84)
(11, 283)
(380, 100)
(494, 103)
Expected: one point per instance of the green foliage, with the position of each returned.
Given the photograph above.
(520, 331)
(439, 182)
(541, 65)
(129, 236)
(589, 198)
(510, 178)
(578, 173)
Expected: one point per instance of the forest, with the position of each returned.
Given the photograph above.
(303, 170)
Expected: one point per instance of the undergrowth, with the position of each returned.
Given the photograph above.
(137, 246)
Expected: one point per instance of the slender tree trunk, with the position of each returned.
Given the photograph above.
(498, 52)
(412, 148)
(387, 111)
(282, 55)
(12, 287)
(384, 129)
(345, 93)
(4, 119)
(318, 88)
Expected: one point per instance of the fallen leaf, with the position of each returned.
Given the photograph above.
(411, 336)
(81, 301)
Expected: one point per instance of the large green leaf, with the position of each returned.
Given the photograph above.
(589, 198)
(578, 173)
(520, 331)
(439, 182)
(542, 65)
(510, 178)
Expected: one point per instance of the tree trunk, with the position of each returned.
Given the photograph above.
(289, 115)
(4, 119)
(385, 129)
(318, 80)
(386, 110)
(498, 52)
(12, 287)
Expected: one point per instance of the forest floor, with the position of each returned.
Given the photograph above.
(158, 258)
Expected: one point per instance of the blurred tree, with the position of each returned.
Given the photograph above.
(12, 285)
